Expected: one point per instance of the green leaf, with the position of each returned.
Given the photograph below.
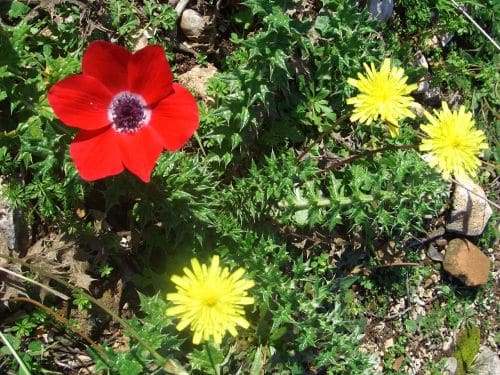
(257, 363)
(18, 9)
(201, 360)
(14, 341)
(35, 348)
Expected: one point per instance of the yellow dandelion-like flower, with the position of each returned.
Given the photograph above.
(382, 94)
(210, 300)
(454, 143)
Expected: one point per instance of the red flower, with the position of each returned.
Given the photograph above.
(127, 109)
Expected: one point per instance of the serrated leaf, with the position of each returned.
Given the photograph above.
(200, 359)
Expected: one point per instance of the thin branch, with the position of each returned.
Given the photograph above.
(350, 159)
(491, 165)
(496, 205)
(198, 139)
(20, 362)
(64, 322)
(340, 120)
(43, 286)
(396, 264)
(476, 24)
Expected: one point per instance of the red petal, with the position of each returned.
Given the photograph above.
(108, 63)
(140, 150)
(175, 118)
(81, 101)
(149, 74)
(96, 154)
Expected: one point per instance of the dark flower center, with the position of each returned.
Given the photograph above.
(128, 112)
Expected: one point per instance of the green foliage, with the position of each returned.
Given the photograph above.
(30, 351)
(206, 359)
(467, 347)
(156, 328)
(285, 79)
(130, 21)
(238, 190)
(24, 327)
(80, 301)
(105, 270)
(383, 195)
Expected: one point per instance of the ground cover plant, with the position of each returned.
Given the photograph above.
(275, 219)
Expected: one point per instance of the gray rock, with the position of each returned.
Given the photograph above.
(7, 225)
(441, 242)
(192, 23)
(486, 362)
(433, 96)
(381, 9)
(450, 367)
(434, 253)
(14, 231)
(470, 210)
(440, 40)
(421, 61)
(466, 261)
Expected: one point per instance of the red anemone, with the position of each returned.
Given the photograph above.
(127, 108)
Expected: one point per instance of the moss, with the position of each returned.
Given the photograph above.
(467, 347)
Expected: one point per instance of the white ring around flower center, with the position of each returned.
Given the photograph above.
(128, 112)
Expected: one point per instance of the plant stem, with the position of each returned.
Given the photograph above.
(198, 139)
(19, 361)
(43, 286)
(209, 353)
(63, 321)
(350, 159)
(170, 366)
(340, 120)
(476, 24)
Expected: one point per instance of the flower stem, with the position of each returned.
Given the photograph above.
(340, 120)
(170, 366)
(210, 358)
(198, 139)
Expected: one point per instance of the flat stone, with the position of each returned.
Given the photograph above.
(381, 9)
(466, 261)
(470, 210)
(486, 362)
(193, 23)
(434, 253)
(450, 367)
(441, 242)
(196, 79)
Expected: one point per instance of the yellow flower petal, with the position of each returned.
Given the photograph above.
(383, 94)
(453, 142)
(210, 300)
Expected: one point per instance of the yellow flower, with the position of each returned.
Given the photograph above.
(210, 300)
(383, 94)
(454, 143)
